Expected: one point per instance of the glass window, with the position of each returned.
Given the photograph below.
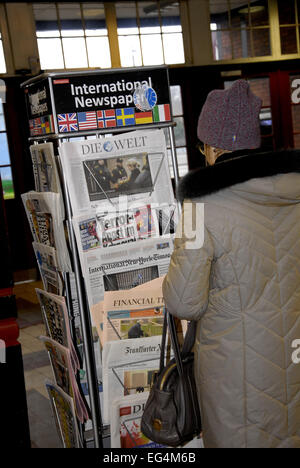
(72, 35)
(5, 166)
(2, 59)
(239, 29)
(289, 15)
(149, 33)
(179, 133)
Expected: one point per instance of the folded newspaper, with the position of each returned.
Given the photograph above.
(44, 168)
(133, 313)
(126, 418)
(64, 416)
(132, 165)
(64, 373)
(47, 261)
(128, 368)
(56, 318)
(46, 219)
(124, 266)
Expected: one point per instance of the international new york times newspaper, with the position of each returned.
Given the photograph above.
(125, 266)
(46, 219)
(44, 168)
(64, 415)
(133, 164)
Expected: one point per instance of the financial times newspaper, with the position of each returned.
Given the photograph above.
(126, 419)
(46, 219)
(48, 265)
(128, 368)
(133, 313)
(134, 165)
(64, 416)
(64, 373)
(124, 267)
(44, 168)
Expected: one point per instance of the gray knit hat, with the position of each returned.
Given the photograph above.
(230, 118)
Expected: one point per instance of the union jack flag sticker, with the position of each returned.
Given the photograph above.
(67, 123)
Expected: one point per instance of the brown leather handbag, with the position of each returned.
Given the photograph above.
(172, 416)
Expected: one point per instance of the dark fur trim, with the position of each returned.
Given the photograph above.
(207, 180)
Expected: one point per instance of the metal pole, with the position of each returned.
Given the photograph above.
(86, 326)
(174, 156)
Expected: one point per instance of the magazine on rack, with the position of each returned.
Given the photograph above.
(44, 168)
(124, 266)
(132, 165)
(56, 318)
(64, 416)
(128, 368)
(64, 373)
(48, 265)
(46, 219)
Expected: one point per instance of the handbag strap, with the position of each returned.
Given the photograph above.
(188, 343)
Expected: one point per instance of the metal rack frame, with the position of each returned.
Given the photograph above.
(86, 326)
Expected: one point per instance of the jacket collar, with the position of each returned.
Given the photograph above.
(234, 168)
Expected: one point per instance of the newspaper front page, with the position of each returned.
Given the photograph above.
(124, 267)
(126, 419)
(46, 219)
(64, 373)
(64, 415)
(128, 368)
(133, 164)
(133, 313)
(57, 323)
(47, 261)
(44, 168)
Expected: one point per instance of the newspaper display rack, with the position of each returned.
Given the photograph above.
(86, 111)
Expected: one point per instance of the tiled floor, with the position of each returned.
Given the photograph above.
(36, 367)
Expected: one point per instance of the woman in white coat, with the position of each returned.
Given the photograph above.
(243, 284)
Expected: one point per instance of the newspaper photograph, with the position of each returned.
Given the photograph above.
(46, 219)
(105, 230)
(126, 416)
(133, 313)
(64, 416)
(56, 319)
(64, 374)
(47, 261)
(124, 267)
(44, 168)
(132, 165)
(128, 368)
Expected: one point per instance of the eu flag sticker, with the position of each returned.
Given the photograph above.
(125, 117)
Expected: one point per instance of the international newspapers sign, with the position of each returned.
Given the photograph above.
(119, 99)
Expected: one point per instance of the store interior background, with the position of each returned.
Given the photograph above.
(206, 44)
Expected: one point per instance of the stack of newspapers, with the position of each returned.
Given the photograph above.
(46, 216)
